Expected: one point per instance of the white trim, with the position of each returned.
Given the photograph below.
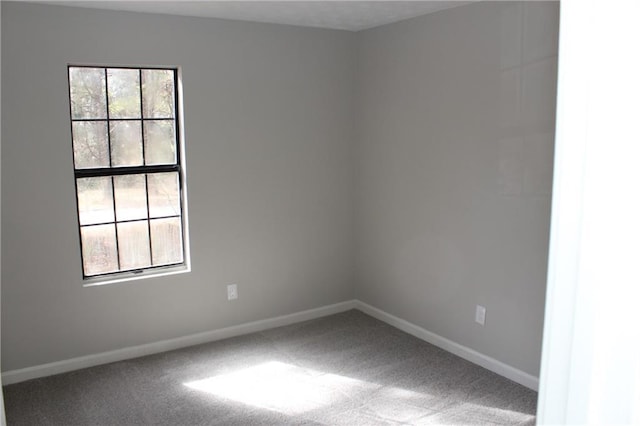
(140, 275)
(469, 354)
(20, 375)
(518, 376)
(590, 371)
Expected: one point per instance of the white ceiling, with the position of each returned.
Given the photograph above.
(339, 15)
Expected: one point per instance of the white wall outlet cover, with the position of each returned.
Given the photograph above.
(481, 312)
(232, 291)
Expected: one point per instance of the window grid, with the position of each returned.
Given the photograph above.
(113, 187)
(146, 170)
(144, 161)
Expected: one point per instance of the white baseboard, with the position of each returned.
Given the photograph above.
(518, 376)
(469, 354)
(20, 375)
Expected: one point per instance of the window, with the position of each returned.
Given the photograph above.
(128, 170)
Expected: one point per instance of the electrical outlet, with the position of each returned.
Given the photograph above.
(232, 291)
(481, 312)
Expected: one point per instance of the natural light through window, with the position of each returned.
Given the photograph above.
(128, 165)
(293, 390)
(280, 387)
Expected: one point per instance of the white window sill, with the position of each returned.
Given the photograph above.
(131, 276)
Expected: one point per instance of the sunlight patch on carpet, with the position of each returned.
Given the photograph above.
(293, 390)
(282, 387)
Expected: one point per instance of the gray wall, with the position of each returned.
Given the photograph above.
(455, 120)
(408, 166)
(269, 125)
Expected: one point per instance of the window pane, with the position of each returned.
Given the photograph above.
(159, 142)
(87, 91)
(131, 197)
(95, 200)
(158, 93)
(126, 143)
(166, 241)
(124, 93)
(164, 194)
(133, 244)
(90, 145)
(99, 254)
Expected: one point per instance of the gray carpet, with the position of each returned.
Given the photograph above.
(345, 369)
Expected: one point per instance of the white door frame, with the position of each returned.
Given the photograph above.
(591, 347)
